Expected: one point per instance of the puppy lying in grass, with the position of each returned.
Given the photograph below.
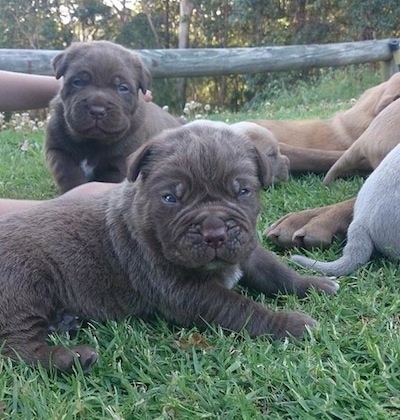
(172, 240)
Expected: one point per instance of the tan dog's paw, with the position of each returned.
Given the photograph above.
(305, 229)
(312, 228)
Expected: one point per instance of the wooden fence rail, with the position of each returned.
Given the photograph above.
(219, 61)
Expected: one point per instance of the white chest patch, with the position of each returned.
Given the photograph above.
(87, 169)
(232, 278)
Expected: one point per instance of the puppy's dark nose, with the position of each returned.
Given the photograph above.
(97, 112)
(214, 231)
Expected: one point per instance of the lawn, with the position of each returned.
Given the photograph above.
(347, 368)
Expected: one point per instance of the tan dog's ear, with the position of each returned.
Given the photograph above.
(264, 170)
(385, 101)
(59, 64)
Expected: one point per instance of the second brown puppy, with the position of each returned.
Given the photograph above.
(99, 117)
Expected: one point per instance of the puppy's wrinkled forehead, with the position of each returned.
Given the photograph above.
(100, 59)
(202, 153)
(209, 154)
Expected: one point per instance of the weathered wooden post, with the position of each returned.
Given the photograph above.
(393, 65)
(394, 46)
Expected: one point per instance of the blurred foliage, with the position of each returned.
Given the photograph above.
(53, 24)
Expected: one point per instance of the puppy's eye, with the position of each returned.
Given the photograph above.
(169, 199)
(271, 153)
(78, 83)
(122, 88)
(244, 192)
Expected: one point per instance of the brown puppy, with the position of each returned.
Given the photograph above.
(262, 138)
(98, 117)
(372, 146)
(340, 132)
(172, 240)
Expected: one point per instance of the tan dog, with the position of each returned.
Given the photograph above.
(315, 145)
(173, 240)
(318, 227)
(372, 146)
(340, 132)
(98, 118)
(263, 140)
(310, 160)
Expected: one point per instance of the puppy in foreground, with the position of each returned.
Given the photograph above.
(173, 239)
(376, 221)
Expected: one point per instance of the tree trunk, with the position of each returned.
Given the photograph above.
(185, 10)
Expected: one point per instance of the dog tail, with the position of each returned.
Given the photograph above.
(356, 253)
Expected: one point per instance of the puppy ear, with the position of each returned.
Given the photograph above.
(143, 75)
(139, 160)
(59, 64)
(264, 170)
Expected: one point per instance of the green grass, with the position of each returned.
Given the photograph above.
(347, 368)
(334, 91)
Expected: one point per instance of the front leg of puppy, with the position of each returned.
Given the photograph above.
(264, 272)
(208, 302)
(25, 338)
(66, 172)
(28, 308)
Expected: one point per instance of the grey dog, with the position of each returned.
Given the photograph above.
(99, 117)
(172, 239)
(375, 223)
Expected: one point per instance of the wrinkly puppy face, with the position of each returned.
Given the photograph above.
(100, 89)
(197, 195)
(268, 145)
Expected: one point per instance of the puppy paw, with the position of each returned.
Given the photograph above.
(63, 323)
(313, 235)
(64, 358)
(305, 229)
(292, 324)
(328, 285)
(282, 231)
